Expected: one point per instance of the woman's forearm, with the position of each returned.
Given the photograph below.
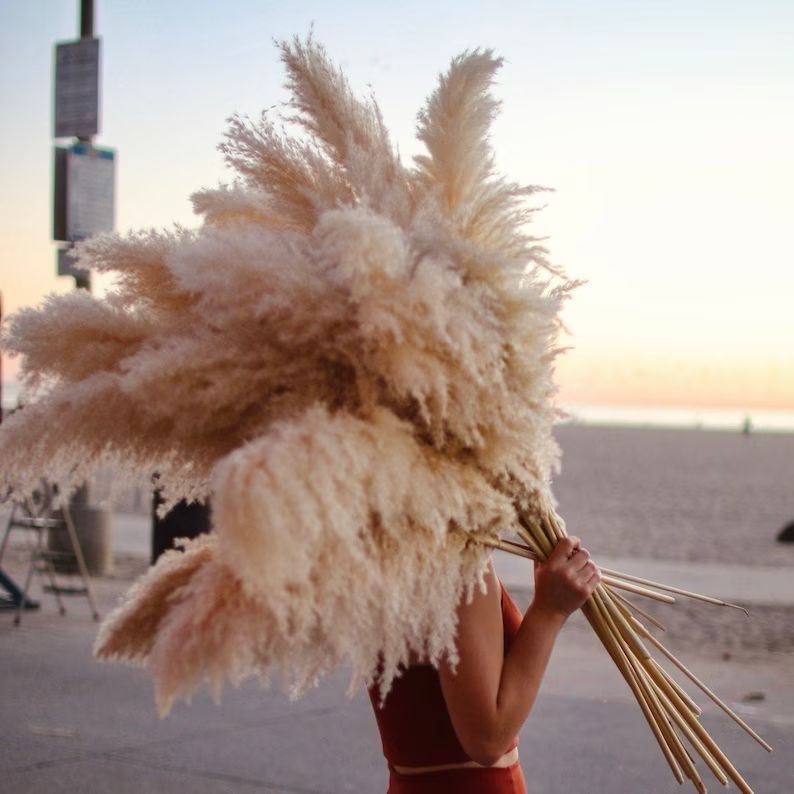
(562, 584)
(522, 673)
(493, 690)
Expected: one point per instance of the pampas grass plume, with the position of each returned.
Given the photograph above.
(352, 356)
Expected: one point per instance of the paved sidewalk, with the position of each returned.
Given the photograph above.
(766, 591)
(748, 585)
(74, 725)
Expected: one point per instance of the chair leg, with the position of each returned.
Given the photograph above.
(49, 569)
(33, 557)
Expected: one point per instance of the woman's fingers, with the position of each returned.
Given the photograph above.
(565, 549)
(580, 559)
(567, 579)
(583, 572)
(591, 576)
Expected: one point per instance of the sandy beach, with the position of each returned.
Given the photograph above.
(689, 495)
(709, 496)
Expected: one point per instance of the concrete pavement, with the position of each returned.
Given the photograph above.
(749, 585)
(74, 725)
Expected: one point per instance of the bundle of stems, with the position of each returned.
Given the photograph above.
(671, 713)
(343, 338)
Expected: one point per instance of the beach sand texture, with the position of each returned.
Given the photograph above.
(691, 495)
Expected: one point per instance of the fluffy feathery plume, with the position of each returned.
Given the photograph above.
(353, 357)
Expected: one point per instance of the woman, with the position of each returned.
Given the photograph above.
(454, 730)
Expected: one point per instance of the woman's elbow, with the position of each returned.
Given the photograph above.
(484, 750)
(487, 759)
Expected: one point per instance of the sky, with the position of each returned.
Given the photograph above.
(664, 127)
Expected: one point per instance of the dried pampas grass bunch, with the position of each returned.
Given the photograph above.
(351, 356)
(354, 359)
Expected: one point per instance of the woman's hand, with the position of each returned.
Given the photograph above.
(565, 580)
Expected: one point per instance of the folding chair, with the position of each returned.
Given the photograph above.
(32, 516)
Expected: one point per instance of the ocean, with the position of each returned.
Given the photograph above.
(681, 417)
(625, 416)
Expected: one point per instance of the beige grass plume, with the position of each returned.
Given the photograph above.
(351, 356)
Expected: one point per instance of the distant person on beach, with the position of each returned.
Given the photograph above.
(454, 730)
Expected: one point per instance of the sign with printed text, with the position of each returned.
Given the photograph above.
(84, 191)
(90, 177)
(77, 88)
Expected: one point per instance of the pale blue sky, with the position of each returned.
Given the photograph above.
(665, 127)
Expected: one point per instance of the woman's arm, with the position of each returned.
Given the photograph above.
(490, 695)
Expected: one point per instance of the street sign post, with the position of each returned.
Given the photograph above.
(90, 175)
(77, 88)
(84, 191)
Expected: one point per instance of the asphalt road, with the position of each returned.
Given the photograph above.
(73, 725)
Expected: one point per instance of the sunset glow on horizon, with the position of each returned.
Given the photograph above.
(664, 128)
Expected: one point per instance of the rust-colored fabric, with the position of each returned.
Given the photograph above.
(416, 730)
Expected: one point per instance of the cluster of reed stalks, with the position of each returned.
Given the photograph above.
(351, 355)
(671, 713)
(354, 357)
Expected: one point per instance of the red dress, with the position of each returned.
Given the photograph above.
(416, 730)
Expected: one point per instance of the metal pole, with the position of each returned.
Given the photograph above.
(86, 19)
(86, 32)
(87, 517)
